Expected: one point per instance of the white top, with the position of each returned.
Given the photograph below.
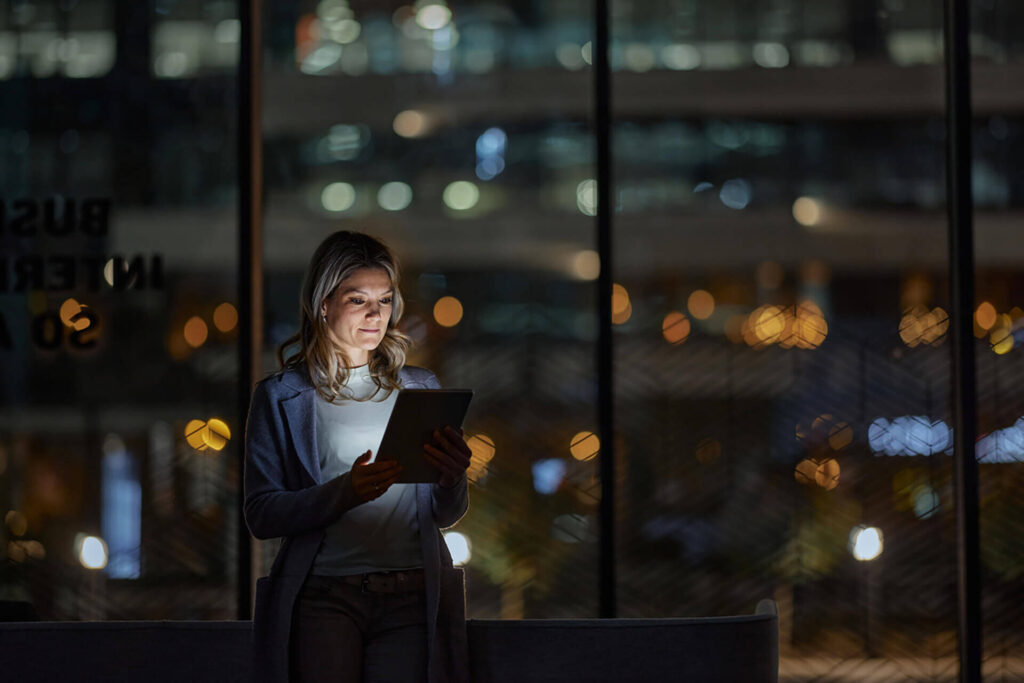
(383, 533)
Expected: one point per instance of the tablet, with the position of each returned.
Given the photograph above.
(415, 416)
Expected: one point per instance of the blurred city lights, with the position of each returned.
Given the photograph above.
(735, 193)
(909, 435)
(586, 265)
(448, 311)
(71, 315)
(109, 275)
(16, 522)
(587, 52)
(840, 436)
(482, 448)
(195, 332)
(1001, 338)
(865, 542)
(433, 16)
(411, 124)
(807, 211)
(394, 196)
(806, 471)
(569, 56)
(638, 57)
(701, 304)
(985, 316)
(338, 197)
(584, 446)
(921, 326)
(827, 474)
(461, 195)
(213, 434)
(586, 197)
(91, 551)
(1002, 445)
(459, 547)
(926, 501)
(225, 317)
(622, 307)
(771, 55)
(548, 475)
(680, 57)
(675, 328)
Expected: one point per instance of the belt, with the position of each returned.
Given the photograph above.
(401, 581)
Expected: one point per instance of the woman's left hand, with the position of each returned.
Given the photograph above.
(450, 454)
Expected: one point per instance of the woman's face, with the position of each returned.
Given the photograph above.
(358, 312)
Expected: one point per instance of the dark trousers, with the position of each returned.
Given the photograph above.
(343, 634)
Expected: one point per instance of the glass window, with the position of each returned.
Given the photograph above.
(118, 435)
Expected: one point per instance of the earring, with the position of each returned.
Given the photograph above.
(324, 318)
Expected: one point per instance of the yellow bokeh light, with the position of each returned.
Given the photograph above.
(225, 317)
(194, 434)
(584, 446)
(809, 326)
(620, 299)
(827, 474)
(701, 304)
(675, 328)
(985, 316)
(806, 471)
(624, 316)
(768, 324)
(201, 435)
(16, 522)
(196, 332)
(70, 315)
(840, 436)
(411, 124)
(482, 448)
(912, 325)
(708, 450)
(934, 325)
(216, 435)
(1001, 339)
(448, 311)
(807, 211)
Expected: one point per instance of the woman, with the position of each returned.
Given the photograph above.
(363, 587)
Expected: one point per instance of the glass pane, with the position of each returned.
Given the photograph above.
(998, 197)
(455, 134)
(782, 364)
(118, 460)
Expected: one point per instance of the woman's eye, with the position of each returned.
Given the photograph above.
(385, 301)
(356, 301)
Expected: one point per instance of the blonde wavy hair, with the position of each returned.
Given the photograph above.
(337, 258)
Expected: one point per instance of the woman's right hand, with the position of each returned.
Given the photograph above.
(371, 479)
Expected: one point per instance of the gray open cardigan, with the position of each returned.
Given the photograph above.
(285, 497)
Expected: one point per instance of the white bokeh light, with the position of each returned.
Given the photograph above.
(92, 552)
(866, 542)
(459, 546)
(394, 196)
(461, 195)
(338, 197)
